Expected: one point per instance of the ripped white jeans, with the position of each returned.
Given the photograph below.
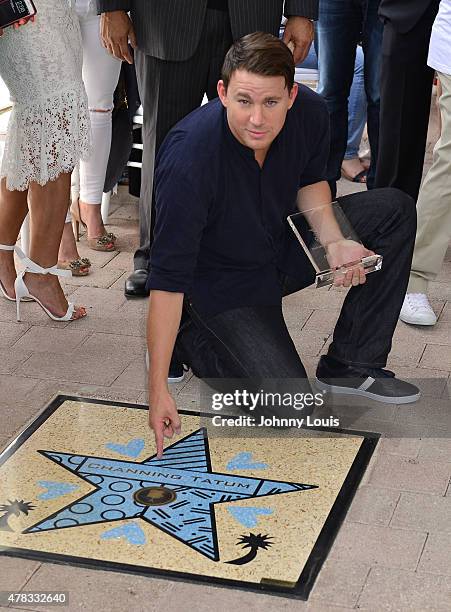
(100, 76)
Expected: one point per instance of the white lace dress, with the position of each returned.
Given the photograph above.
(49, 128)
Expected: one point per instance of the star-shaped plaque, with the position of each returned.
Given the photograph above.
(176, 493)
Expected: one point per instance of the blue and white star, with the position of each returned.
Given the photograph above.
(185, 469)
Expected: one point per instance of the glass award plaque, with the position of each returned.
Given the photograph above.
(308, 229)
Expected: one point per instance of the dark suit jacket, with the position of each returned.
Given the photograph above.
(403, 14)
(171, 29)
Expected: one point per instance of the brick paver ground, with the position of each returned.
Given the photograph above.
(393, 550)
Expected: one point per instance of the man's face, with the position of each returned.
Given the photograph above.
(256, 108)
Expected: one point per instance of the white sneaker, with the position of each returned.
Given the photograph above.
(416, 310)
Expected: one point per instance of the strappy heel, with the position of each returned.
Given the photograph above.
(106, 242)
(22, 290)
(6, 247)
(78, 267)
(21, 254)
(76, 219)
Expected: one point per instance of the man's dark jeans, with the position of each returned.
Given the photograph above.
(254, 342)
(342, 24)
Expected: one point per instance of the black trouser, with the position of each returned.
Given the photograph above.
(406, 83)
(254, 342)
(169, 91)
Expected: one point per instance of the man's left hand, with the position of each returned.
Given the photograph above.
(298, 35)
(343, 253)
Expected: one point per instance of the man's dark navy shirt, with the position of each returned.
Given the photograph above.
(221, 234)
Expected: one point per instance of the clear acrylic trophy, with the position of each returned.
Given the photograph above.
(329, 216)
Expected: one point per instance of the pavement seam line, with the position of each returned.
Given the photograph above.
(30, 577)
(421, 553)
(394, 509)
(357, 605)
(448, 489)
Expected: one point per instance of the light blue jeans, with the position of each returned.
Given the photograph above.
(356, 100)
(342, 24)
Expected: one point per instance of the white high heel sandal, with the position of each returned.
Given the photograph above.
(21, 254)
(22, 290)
(6, 247)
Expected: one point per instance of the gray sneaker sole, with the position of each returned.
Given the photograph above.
(407, 399)
(176, 379)
(171, 379)
(407, 319)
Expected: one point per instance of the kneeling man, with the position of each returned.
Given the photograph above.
(227, 177)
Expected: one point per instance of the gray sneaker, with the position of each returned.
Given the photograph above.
(176, 370)
(377, 384)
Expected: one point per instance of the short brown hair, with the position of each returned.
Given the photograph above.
(259, 53)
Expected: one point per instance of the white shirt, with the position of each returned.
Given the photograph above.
(439, 56)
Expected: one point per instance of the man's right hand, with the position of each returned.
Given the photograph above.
(19, 23)
(116, 31)
(341, 254)
(163, 418)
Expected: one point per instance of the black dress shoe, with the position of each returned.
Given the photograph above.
(135, 285)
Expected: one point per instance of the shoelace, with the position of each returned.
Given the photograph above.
(418, 300)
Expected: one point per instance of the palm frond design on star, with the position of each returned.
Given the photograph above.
(183, 507)
(13, 508)
(254, 542)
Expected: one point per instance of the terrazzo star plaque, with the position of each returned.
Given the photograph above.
(258, 513)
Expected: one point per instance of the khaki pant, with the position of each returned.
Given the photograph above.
(434, 204)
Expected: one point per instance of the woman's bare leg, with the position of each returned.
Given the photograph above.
(353, 167)
(68, 248)
(90, 213)
(13, 210)
(48, 208)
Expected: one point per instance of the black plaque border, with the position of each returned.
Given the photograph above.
(320, 550)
